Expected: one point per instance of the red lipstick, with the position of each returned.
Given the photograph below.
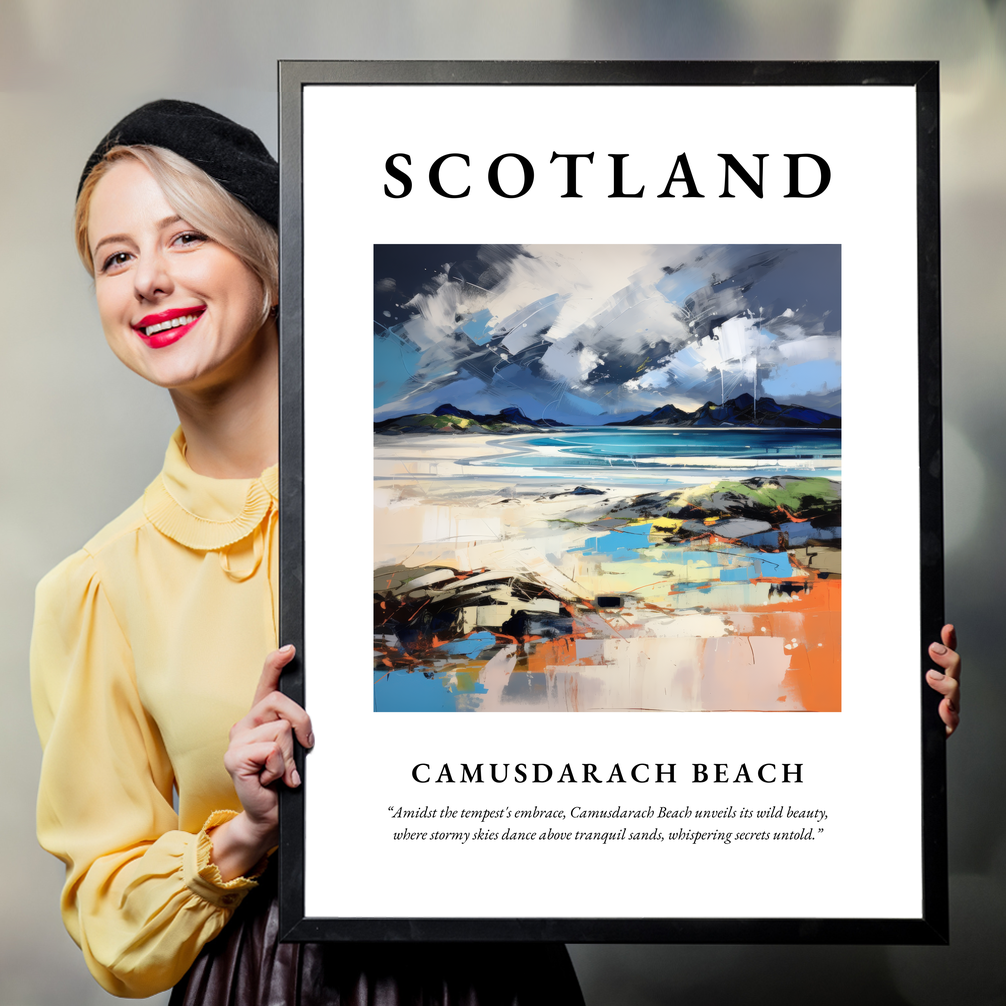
(166, 327)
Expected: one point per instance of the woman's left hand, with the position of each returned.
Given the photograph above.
(948, 681)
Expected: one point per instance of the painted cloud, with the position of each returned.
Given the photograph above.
(572, 333)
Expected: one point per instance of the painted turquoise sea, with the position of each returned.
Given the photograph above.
(669, 452)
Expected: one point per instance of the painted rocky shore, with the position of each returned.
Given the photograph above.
(659, 576)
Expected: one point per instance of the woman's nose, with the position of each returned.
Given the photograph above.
(152, 277)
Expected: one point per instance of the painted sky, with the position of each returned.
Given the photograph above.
(586, 334)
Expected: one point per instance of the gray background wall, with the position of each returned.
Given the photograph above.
(82, 436)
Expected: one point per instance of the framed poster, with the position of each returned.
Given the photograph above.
(620, 383)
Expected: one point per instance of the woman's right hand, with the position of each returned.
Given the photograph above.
(259, 754)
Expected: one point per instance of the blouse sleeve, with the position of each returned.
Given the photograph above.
(141, 898)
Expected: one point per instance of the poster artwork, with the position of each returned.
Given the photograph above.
(607, 477)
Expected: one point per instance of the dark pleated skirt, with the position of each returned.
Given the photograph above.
(246, 965)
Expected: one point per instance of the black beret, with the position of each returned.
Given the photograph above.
(231, 154)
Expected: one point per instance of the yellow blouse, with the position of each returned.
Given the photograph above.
(147, 647)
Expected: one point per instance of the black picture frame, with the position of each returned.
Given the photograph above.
(932, 926)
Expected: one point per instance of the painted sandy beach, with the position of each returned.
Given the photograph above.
(503, 586)
(607, 478)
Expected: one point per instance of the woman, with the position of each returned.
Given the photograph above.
(148, 643)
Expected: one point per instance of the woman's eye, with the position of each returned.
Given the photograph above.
(190, 238)
(114, 261)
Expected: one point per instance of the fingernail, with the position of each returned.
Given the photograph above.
(938, 648)
(287, 649)
(310, 740)
(295, 777)
(936, 675)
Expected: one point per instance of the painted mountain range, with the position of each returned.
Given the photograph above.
(743, 410)
(449, 419)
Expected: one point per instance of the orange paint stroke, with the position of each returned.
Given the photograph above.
(814, 618)
(551, 653)
(798, 520)
(419, 609)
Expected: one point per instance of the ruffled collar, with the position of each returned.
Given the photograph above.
(203, 513)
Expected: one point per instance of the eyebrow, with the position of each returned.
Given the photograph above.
(111, 238)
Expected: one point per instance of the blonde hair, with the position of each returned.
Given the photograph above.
(199, 200)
